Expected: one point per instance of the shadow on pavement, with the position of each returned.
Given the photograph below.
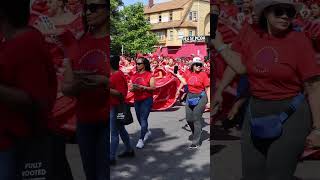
(214, 149)
(158, 161)
(218, 133)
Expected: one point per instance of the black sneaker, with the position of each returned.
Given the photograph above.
(194, 146)
(127, 154)
(112, 162)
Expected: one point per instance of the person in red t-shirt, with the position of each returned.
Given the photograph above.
(198, 87)
(86, 78)
(28, 86)
(118, 92)
(280, 63)
(143, 84)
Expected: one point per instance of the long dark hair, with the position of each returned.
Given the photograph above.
(114, 62)
(17, 12)
(146, 64)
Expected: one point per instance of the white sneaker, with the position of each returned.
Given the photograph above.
(147, 136)
(140, 144)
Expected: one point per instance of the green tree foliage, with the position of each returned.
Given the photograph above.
(132, 30)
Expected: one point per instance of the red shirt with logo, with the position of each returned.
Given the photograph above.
(197, 82)
(144, 80)
(118, 82)
(26, 64)
(92, 104)
(276, 67)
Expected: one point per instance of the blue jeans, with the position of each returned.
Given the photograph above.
(143, 109)
(116, 129)
(8, 165)
(93, 143)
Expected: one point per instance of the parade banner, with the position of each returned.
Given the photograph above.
(53, 18)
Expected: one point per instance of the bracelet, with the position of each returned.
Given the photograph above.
(221, 48)
(316, 131)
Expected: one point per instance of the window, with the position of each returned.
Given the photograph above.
(148, 19)
(160, 35)
(170, 16)
(190, 33)
(160, 18)
(193, 16)
(170, 35)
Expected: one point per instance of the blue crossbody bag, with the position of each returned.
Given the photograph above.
(271, 127)
(195, 101)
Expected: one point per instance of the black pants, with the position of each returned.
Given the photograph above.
(276, 159)
(194, 117)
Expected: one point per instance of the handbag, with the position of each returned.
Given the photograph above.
(271, 127)
(36, 158)
(123, 114)
(195, 101)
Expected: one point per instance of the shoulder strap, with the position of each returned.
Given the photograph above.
(293, 106)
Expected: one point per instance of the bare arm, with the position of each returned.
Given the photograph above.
(228, 75)
(233, 59)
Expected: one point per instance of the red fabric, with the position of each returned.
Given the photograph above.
(274, 73)
(144, 80)
(228, 10)
(92, 105)
(26, 64)
(118, 82)
(197, 82)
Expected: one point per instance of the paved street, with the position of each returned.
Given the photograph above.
(166, 156)
(226, 158)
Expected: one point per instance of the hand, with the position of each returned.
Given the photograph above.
(217, 102)
(95, 80)
(233, 112)
(208, 105)
(218, 41)
(313, 140)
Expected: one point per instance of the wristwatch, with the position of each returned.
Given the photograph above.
(221, 48)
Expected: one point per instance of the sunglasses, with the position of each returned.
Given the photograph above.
(279, 11)
(198, 64)
(94, 7)
(139, 63)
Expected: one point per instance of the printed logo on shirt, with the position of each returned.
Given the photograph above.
(193, 80)
(91, 60)
(264, 58)
(139, 80)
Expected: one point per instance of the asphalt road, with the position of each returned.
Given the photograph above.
(166, 156)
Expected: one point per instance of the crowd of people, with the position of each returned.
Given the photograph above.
(141, 76)
(273, 51)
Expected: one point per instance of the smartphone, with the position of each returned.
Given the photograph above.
(175, 70)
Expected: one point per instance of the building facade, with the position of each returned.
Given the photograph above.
(179, 21)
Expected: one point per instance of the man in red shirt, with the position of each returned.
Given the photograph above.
(28, 83)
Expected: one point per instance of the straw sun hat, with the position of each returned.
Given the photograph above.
(260, 5)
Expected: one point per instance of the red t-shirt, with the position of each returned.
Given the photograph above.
(276, 67)
(144, 80)
(92, 105)
(197, 82)
(118, 82)
(26, 64)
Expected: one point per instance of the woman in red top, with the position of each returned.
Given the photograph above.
(142, 86)
(158, 71)
(279, 63)
(118, 91)
(28, 85)
(198, 84)
(86, 78)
